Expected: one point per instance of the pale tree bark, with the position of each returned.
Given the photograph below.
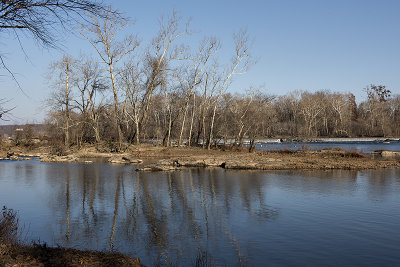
(89, 84)
(207, 49)
(158, 58)
(111, 52)
(60, 76)
(340, 105)
(130, 77)
(241, 61)
(66, 61)
(311, 108)
(192, 120)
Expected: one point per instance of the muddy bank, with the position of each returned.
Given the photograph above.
(152, 158)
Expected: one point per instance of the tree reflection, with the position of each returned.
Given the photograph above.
(67, 206)
(174, 213)
(116, 205)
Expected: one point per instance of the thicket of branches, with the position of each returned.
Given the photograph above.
(181, 95)
(43, 20)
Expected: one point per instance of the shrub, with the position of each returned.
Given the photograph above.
(9, 222)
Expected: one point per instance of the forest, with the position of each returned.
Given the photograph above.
(175, 94)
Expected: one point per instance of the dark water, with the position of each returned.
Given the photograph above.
(363, 146)
(234, 217)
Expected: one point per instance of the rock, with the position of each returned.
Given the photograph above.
(124, 160)
(53, 158)
(118, 161)
(231, 164)
(199, 163)
(267, 164)
(133, 161)
(166, 162)
(18, 158)
(157, 168)
(390, 154)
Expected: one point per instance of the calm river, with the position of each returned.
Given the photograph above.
(316, 218)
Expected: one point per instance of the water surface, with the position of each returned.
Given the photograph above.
(234, 217)
(362, 146)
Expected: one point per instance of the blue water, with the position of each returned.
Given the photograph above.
(365, 147)
(313, 218)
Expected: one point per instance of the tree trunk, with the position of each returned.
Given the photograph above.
(210, 137)
(117, 124)
(183, 124)
(192, 120)
(67, 104)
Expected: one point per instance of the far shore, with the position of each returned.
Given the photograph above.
(148, 157)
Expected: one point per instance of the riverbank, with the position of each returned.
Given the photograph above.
(41, 255)
(156, 158)
(13, 252)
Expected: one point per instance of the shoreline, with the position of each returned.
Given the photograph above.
(12, 254)
(155, 158)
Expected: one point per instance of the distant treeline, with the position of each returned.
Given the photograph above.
(174, 93)
(38, 130)
(179, 118)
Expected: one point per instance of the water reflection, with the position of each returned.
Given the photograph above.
(174, 213)
(234, 216)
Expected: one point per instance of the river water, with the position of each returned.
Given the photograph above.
(231, 218)
(362, 146)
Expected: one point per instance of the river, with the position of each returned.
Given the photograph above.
(360, 146)
(231, 218)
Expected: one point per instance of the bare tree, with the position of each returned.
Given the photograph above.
(378, 109)
(40, 18)
(111, 51)
(341, 106)
(90, 84)
(133, 90)
(311, 108)
(3, 110)
(193, 78)
(61, 76)
(241, 61)
(159, 57)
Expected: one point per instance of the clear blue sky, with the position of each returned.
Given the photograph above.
(339, 45)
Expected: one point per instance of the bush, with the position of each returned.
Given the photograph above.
(58, 150)
(9, 222)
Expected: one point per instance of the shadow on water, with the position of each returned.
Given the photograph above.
(210, 215)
